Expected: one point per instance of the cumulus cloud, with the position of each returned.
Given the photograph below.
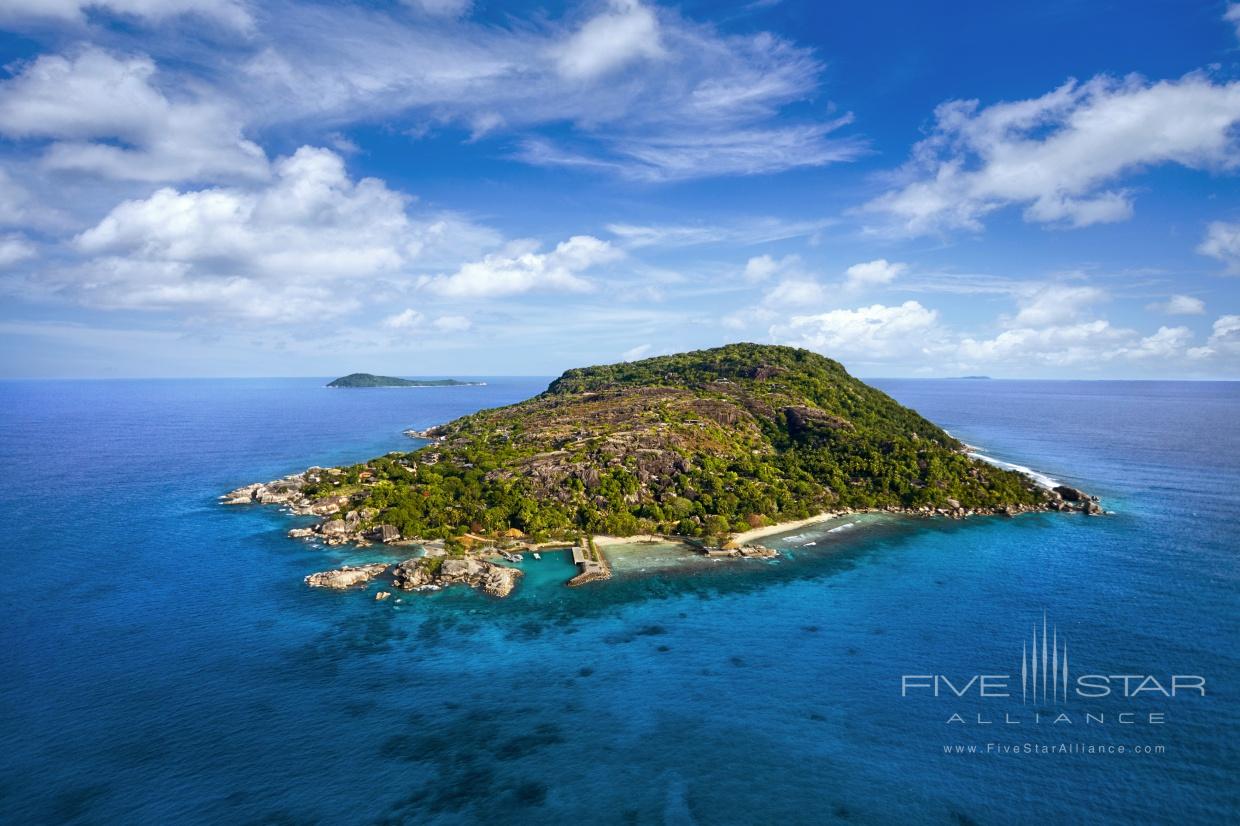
(407, 319)
(763, 267)
(1167, 342)
(795, 292)
(105, 114)
(1179, 305)
(1224, 339)
(411, 319)
(1048, 304)
(229, 12)
(1222, 241)
(1056, 345)
(302, 244)
(520, 268)
(1036, 338)
(14, 249)
(1057, 155)
(873, 273)
(868, 333)
(626, 32)
(20, 208)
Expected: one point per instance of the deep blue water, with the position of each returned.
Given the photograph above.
(162, 661)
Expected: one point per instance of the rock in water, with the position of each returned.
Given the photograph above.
(345, 577)
(487, 577)
(1072, 494)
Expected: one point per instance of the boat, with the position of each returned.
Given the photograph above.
(536, 555)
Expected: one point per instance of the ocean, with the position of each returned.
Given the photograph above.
(162, 661)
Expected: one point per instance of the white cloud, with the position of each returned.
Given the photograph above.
(521, 268)
(648, 96)
(1222, 241)
(310, 242)
(873, 273)
(746, 232)
(912, 336)
(635, 353)
(1179, 305)
(229, 12)
(1051, 304)
(20, 208)
(441, 8)
(1056, 154)
(1056, 345)
(407, 319)
(867, 333)
(1232, 15)
(14, 249)
(411, 319)
(1166, 343)
(452, 324)
(105, 115)
(679, 155)
(795, 292)
(1224, 339)
(626, 32)
(763, 267)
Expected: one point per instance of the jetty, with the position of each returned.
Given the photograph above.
(590, 562)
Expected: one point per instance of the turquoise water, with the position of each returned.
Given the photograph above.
(163, 662)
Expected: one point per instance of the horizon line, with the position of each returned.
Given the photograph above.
(556, 375)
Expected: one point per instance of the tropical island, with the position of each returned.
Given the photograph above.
(718, 447)
(371, 380)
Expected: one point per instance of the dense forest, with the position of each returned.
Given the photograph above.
(701, 444)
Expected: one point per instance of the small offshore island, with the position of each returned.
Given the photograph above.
(715, 448)
(371, 380)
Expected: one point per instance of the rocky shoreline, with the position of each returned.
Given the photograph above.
(424, 574)
(340, 524)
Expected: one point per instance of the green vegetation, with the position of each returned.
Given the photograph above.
(370, 380)
(703, 444)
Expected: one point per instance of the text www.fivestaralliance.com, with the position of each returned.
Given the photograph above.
(1050, 749)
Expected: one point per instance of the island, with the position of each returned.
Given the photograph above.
(371, 380)
(716, 447)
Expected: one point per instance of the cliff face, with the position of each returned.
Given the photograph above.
(702, 443)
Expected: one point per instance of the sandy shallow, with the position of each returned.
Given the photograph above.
(740, 539)
(784, 527)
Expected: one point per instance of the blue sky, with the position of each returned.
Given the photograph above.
(239, 188)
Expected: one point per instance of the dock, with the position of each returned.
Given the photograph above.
(591, 564)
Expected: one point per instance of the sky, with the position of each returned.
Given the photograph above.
(445, 187)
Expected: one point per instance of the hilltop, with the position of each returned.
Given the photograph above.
(703, 444)
(371, 380)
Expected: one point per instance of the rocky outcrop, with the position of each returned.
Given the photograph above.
(241, 496)
(424, 572)
(1065, 498)
(345, 577)
(748, 551)
(1070, 494)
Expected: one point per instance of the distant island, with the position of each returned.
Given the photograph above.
(371, 380)
(715, 447)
